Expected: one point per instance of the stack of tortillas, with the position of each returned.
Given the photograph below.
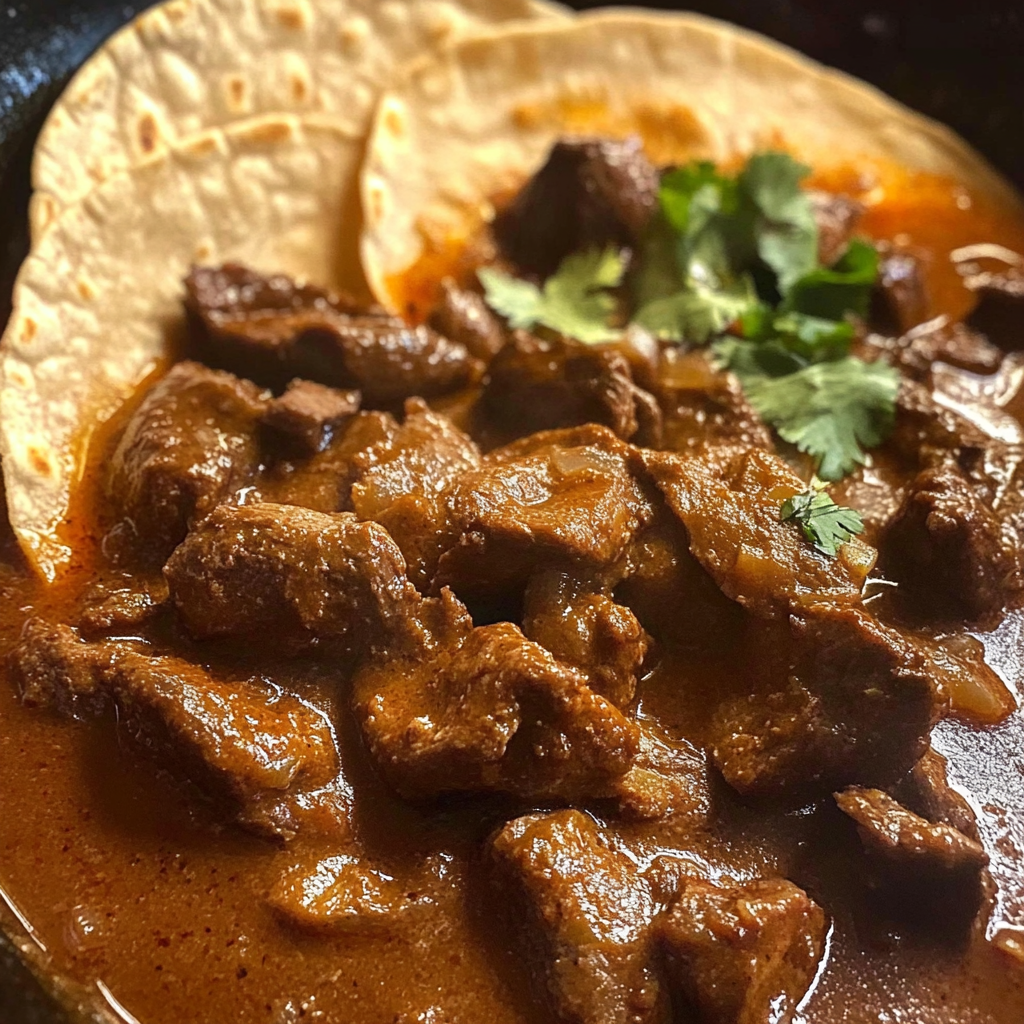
(213, 130)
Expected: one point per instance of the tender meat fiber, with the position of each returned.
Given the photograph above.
(728, 500)
(926, 791)
(490, 711)
(239, 742)
(401, 480)
(111, 610)
(668, 779)
(579, 623)
(837, 217)
(323, 480)
(273, 332)
(589, 193)
(308, 414)
(917, 867)
(191, 444)
(566, 498)
(948, 550)
(340, 895)
(704, 406)
(584, 916)
(999, 314)
(835, 698)
(52, 667)
(743, 954)
(536, 384)
(900, 299)
(465, 318)
(933, 341)
(925, 431)
(291, 576)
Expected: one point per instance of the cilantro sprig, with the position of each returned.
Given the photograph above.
(731, 260)
(825, 525)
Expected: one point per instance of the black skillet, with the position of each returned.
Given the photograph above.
(960, 63)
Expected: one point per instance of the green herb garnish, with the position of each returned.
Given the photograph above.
(574, 300)
(825, 525)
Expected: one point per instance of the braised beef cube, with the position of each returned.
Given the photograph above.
(463, 317)
(192, 443)
(489, 711)
(538, 504)
(535, 384)
(323, 480)
(340, 895)
(704, 406)
(291, 576)
(400, 482)
(999, 313)
(900, 299)
(52, 667)
(239, 742)
(935, 341)
(926, 432)
(916, 867)
(579, 623)
(668, 779)
(927, 792)
(589, 193)
(836, 217)
(314, 335)
(112, 610)
(307, 414)
(835, 698)
(728, 500)
(743, 954)
(583, 914)
(948, 551)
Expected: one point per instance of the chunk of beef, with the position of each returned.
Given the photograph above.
(743, 954)
(340, 895)
(120, 610)
(836, 217)
(925, 431)
(239, 742)
(704, 406)
(926, 791)
(401, 480)
(934, 341)
(191, 444)
(999, 313)
(728, 500)
(589, 193)
(579, 623)
(466, 319)
(888, 830)
(52, 667)
(273, 331)
(323, 480)
(900, 299)
(584, 916)
(948, 550)
(566, 498)
(668, 779)
(291, 576)
(536, 384)
(834, 698)
(490, 711)
(307, 414)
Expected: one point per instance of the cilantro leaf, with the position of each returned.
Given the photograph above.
(574, 300)
(844, 287)
(696, 312)
(786, 231)
(831, 410)
(825, 525)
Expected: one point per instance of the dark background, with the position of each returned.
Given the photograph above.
(962, 63)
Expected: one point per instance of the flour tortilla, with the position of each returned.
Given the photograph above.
(475, 122)
(95, 301)
(186, 66)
